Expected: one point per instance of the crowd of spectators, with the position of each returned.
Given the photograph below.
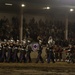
(35, 29)
(56, 29)
(45, 29)
(9, 30)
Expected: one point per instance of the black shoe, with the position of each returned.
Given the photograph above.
(53, 61)
(36, 62)
(42, 62)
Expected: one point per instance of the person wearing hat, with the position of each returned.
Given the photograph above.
(39, 57)
(4, 50)
(50, 54)
(15, 53)
(9, 56)
(28, 52)
(23, 54)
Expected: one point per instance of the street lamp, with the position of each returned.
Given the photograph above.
(22, 5)
(66, 27)
(48, 8)
(71, 10)
(21, 24)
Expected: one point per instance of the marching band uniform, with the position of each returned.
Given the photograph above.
(22, 54)
(28, 49)
(47, 52)
(56, 52)
(70, 54)
(51, 55)
(60, 53)
(39, 57)
(50, 50)
(9, 56)
(4, 48)
(15, 54)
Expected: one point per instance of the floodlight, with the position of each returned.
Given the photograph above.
(71, 10)
(9, 4)
(22, 5)
(48, 8)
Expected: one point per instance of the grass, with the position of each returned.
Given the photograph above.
(38, 65)
(57, 68)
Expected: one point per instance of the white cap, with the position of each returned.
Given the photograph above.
(28, 41)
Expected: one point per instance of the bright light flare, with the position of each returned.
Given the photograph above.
(46, 8)
(22, 5)
(9, 4)
(71, 10)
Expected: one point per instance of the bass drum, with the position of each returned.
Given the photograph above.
(34, 46)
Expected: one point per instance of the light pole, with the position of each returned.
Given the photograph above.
(21, 22)
(66, 29)
(66, 26)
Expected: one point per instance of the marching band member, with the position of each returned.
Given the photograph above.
(4, 50)
(70, 54)
(9, 56)
(50, 50)
(50, 54)
(28, 51)
(15, 53)
(22, 54)
(39, 57)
